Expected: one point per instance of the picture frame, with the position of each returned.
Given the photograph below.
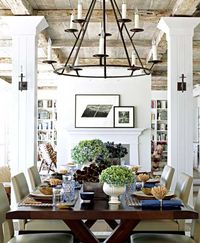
(95, 110)
(124, 116)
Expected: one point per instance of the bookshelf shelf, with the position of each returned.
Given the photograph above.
(159, 132)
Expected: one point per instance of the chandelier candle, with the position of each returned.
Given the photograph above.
(101, 43)
(137, 25)
(49, 51)
(124, 10)
(154, 50)
(133, 59)
(79, 16)
(71, 21)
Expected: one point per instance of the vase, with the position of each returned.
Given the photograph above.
(114, 192)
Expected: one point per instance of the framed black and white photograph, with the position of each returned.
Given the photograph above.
(124, 116)
(95, 110)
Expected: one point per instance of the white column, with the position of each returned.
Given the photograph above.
(179, 32)
(24, 31)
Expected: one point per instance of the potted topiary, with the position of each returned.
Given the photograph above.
(116, 152)
(115, 179)
(89, 150)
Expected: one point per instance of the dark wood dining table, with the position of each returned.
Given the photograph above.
(82, 216)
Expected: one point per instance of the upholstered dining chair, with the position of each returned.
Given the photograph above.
(182, 191)
(167, 176)
(34, 177)
(7, 229)
(172, 238)
(21, 190)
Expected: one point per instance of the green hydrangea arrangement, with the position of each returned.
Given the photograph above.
(117, 175)
(89, 150)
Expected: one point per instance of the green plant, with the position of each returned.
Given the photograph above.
(116, 150)
(89, 150)
(117, 175)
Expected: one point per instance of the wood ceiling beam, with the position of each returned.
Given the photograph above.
(63, 43)
(19, 7)
(62, 15)
(23, 7)
(181, 7)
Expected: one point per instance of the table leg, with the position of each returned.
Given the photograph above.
(81, 231)
(112, 223)
(122, 231)
(90, 223)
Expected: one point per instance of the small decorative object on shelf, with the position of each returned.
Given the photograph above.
(115, 179)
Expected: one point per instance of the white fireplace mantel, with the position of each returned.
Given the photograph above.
(117, 135)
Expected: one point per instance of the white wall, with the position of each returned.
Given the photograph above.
(133, 92)
(5, 95)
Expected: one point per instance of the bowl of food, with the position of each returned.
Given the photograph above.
(46, 190)
(55, 182)
(87, 196)
(146, 190)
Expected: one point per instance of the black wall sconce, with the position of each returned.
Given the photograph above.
(23, 85)
(181, 86)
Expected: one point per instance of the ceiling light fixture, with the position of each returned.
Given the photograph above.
(132, 66)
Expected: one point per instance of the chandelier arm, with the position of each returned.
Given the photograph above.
(120, 31)
(133, 35)
(82, 29)
(87, 76)
(131, 42)
(75, 35)
(136, 52)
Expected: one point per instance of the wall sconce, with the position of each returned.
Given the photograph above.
(23, 85)
(181, 86)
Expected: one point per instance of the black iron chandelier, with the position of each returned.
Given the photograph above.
(103, 69)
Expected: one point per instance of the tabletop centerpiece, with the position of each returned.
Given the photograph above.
(115, 179)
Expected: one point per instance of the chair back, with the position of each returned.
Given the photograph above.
(167, 176)
(183, 187)
(20, 186)
(195, 228)
(34, 177)
(5, 175)
(6, 226)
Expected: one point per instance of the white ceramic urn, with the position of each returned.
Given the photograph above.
(114, 192)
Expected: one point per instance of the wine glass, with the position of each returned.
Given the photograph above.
(159, 193)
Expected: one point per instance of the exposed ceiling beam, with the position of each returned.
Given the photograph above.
(62, 43)
(19, 7)
(62, 15)
(23, 7)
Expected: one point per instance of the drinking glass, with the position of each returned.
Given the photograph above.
(56, 195)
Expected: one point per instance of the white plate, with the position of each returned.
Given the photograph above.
(153, 180)
(140, 195)
(37, 193)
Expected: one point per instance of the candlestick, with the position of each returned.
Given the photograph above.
(49, 50)
(154, 51)
(137, 19)
(133, 60)
(123, 10)
(79, 9)
(101, 43)
(71, 21)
